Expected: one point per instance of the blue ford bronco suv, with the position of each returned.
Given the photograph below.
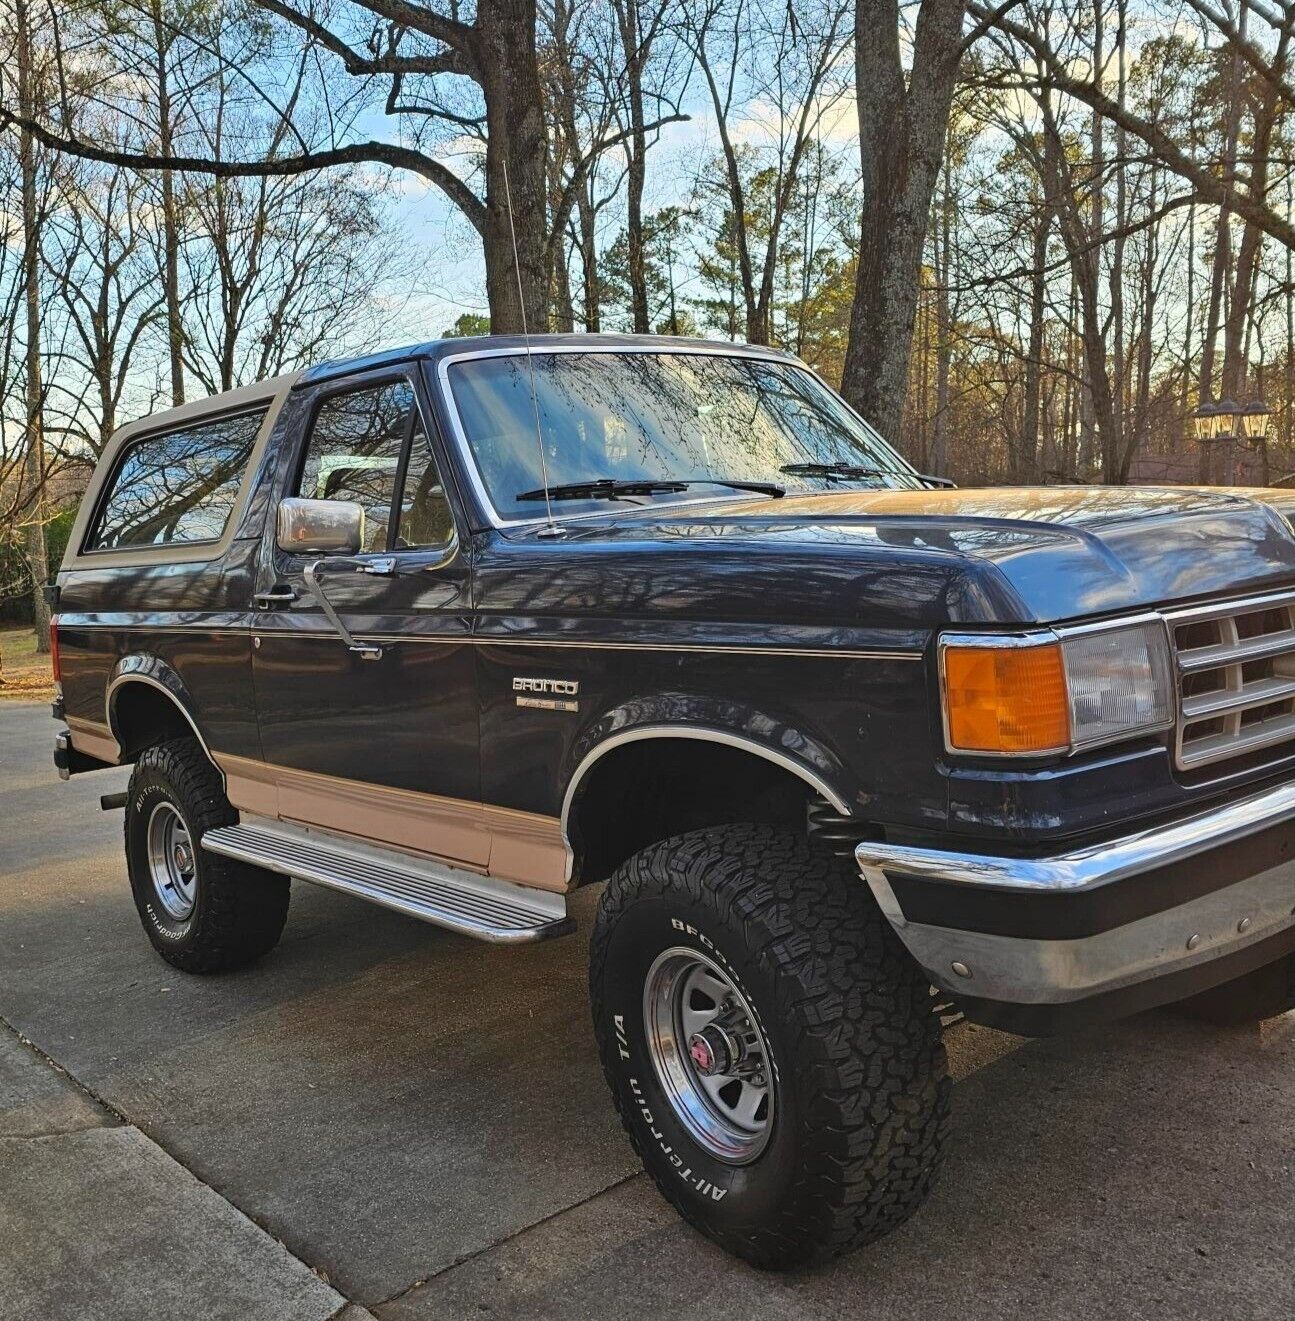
(459, 628)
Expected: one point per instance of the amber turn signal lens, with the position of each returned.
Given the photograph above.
(1006, 699)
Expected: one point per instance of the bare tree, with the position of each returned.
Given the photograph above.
(762, 60)
(903, 121)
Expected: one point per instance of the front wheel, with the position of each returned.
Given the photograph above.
(774, 1053)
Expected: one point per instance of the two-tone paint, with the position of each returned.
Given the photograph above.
(800, 631)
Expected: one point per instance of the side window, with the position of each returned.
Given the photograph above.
(425, 518)
(354, 453)
(176, 486)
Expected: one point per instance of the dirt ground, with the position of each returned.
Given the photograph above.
(24, 674)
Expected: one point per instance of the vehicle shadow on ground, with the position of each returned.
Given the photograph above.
(390, 1100)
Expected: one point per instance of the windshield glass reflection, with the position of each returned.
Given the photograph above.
(658, 417)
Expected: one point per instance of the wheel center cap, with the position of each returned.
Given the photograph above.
(701, 1053)
(182, 859)
(713, 1051)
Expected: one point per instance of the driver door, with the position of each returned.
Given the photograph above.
(384, 748)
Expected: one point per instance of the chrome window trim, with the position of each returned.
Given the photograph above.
(1043, 637)
(263, 410)
(724, 350)
(642, 733)
(374, 379)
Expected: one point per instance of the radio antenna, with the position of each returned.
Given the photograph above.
(552, 530)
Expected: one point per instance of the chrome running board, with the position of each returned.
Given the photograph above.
(463, 901)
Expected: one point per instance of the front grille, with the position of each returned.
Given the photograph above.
(1236, 667)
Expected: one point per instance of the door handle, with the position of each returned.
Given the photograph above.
(279, 596)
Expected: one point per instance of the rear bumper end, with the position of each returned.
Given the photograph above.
(69, 760)
(1039, 945)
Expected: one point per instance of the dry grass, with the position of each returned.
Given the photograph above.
(25, 676)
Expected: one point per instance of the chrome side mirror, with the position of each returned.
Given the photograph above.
(320, 527)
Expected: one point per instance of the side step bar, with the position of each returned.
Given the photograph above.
(462, 901)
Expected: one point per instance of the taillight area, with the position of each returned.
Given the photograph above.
(54, 659)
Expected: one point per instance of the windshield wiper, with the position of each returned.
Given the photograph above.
(601, 488)
(850, 471)
(613, 488)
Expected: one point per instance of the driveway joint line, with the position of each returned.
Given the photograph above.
(126, 1122)
(24, 1040)
(506, 1239)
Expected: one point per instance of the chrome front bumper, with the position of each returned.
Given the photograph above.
(1171, 910)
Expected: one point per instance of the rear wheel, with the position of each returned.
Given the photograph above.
(203, 913)
(773, 1052)
(1261, 994)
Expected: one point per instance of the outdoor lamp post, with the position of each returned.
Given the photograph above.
(1254, 421)
(1225, 435)
(1203, 417)
(1210, 422)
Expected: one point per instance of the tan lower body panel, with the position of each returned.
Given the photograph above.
(94, 739)
(496, 841)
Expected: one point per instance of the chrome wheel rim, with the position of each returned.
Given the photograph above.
(710, 1055)
(171, 862)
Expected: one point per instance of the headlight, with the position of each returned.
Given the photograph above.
(1054, 692)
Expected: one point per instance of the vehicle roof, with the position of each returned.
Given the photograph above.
(259, 392)
(437, 349)
(273, 387)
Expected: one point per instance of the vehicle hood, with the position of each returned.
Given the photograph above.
(1029, 555)
(1071, 551)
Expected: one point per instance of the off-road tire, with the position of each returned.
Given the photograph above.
(1258, 995)
(238, 910)
(861, 1106)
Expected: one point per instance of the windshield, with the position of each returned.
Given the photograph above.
(649, 417)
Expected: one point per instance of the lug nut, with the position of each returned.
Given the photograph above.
(961, 968)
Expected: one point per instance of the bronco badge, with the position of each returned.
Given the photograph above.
(550, 694)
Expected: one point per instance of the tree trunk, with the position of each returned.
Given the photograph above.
(943, 335)
(37, 559)
(1028, 458)
(902, 133)
(627, 17)
(564, 313)
(589, 262)
(516, 163)
(170, 209)
(1249, 252)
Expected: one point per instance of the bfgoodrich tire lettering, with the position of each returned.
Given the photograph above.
(237, 911)
(857, 1074)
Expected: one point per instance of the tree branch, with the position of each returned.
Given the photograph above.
(451, 60)
(356, 153)
(1053, 73)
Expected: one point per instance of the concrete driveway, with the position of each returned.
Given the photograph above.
(383, 1116)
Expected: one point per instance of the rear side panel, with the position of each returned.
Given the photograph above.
(167, 610)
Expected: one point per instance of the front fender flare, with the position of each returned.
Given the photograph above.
(683, 716)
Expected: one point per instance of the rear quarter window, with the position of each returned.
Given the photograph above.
(176, 486)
